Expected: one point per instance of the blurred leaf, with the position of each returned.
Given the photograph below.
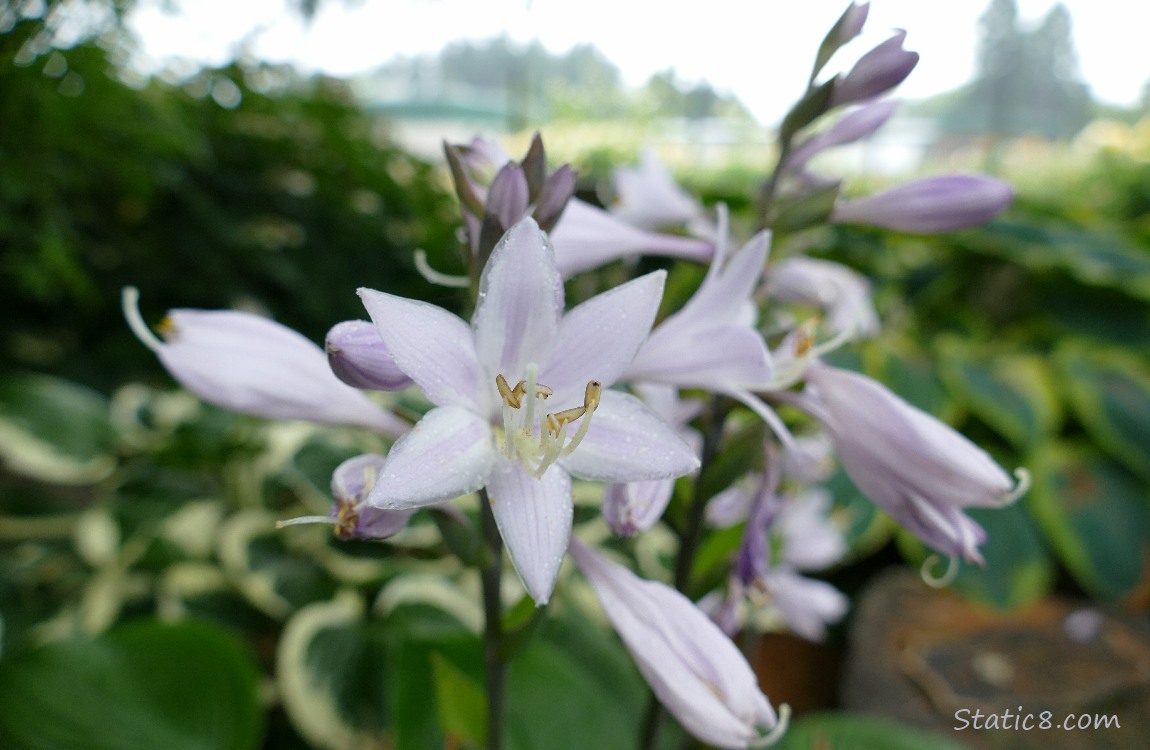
(814, 104)
(334, 673)
(1014, 393)
(1096, 519)
(1110, 393)
(54, 430)
(274, 577)
(840, 730)
(185, 686)
(797, 212)
(461, 701)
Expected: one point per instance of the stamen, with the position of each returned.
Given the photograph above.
(532, 382)
(539, 450)
(590, 404)
(509, 396)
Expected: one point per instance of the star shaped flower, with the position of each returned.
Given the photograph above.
(521, 400)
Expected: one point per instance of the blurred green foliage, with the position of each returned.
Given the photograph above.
(238, 186)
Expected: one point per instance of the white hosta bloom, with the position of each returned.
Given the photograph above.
(522, 402)
(247, 363)
(648, 197)
(694, 669)
(916, 468)
(842, 294)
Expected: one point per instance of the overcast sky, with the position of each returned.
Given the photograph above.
(760, 50)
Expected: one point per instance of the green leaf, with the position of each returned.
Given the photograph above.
(814, 104)
(184, 686)
(1095, 517)
(54, 430)
(797, 212)
(841, 730)
(1110, 393)
(333, 674)
(461, 701)
(1014, 394)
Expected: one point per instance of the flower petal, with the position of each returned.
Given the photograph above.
(598, 339)
(694, 669)
(435, 348)
(587, 236)
(358, 357)
(250, 364)
(448, 453)
(534, 518)
(520, 303)
(632, 507)
(627, 442)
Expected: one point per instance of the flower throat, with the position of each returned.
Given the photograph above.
(538, 449)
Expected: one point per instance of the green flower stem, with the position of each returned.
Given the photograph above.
(491, 574)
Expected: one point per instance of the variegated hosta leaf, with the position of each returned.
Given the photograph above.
(332, 672)
(54, 430)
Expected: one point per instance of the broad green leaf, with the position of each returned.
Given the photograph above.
(185, 686)
(54, 430)
(1095, 517)
(333, 673)
(840, 730)
(1014, 394)
(1110, 393)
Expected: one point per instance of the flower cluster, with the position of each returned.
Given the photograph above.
(528, 395)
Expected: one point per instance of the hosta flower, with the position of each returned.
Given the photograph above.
(648, 197)
(841, 293)
(522, 402)
(351, 481)
(358, 357)
(916, 468)
(712, 341)
(853, 126)
(694, 669)
(929, 205)
(249, 364)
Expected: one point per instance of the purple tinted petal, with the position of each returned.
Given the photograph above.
(358, 357)
(717, 359)
(852, 127)
(435, 348)
(507, 196)
(355, 477)
(695, 670)
(631, 507)
(627, 442)
(534, 518)
(520, 302)
(808, 605)
(447, 454)
(598, 339)
(587, 237)
(876, 72)
(553, 198)
(250, 364)
(933, 204)
(648, 196)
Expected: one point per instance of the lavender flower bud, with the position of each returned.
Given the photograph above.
(876, 72)
(930, 205)
(359, 357)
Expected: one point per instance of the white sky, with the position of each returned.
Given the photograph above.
(760, 50)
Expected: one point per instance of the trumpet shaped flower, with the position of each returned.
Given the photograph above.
(694, 669)
(246, 363)
(521, 400)
(916, 468)
(351, 519)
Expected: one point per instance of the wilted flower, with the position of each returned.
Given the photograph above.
(490, 383)
(930, 205)
(694, 669)
(250, 364)
(916, 468)
(351, 481)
